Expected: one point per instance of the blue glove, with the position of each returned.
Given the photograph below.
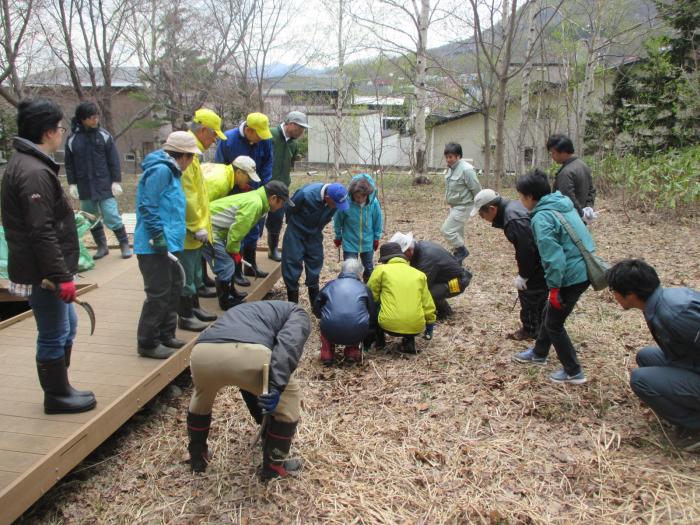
(429, 331)
(268, 402)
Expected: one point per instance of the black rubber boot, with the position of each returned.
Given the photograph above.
(224, 294)
(251, 401)
(173, 342)
(200, 313)
(293, 296)
(98, 233)
(278, 441)
(273, 253)
(67, 351)
(58, 396)
(157, 352)
(198, 432)
(206, 280)
(444, 310)
(408, 345)
(238, 277)
(123, 239)
(313, 293)
(206, 292)
(249, 253)
(185, 317)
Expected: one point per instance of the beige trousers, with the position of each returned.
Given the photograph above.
(216, 365)
(453, 227)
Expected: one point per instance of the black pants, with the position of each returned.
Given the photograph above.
(451, 288)
(274, 221)
(552, 331)
(162, 283)
(532, 303)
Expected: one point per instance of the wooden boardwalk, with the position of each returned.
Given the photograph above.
(37, 450)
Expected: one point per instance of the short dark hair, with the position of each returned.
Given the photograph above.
(85, 109)
(453, 148)
(633, 276)
(561, 143)
(36, 116)
(534, 183)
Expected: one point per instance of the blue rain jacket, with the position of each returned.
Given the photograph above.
(359, 226)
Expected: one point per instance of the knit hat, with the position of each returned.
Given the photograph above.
(389, 250)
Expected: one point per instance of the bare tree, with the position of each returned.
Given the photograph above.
(16, 57)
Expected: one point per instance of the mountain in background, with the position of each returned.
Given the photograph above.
(278, 70)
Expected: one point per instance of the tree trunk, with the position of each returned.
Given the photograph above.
(501, 101)
(525, 95)
(421, 97)
(340, 101)
(487, 142)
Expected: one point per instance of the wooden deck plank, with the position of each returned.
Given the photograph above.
(11, 461)
(13, 441)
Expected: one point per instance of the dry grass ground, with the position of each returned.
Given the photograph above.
(457, 434)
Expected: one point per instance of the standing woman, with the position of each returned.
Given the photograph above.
(94, 175)
(43, 244)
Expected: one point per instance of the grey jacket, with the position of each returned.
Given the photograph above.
(461, 185)
(574, 181)
(673, 317)
(281, 326)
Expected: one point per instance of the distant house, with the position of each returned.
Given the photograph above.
(297, 93)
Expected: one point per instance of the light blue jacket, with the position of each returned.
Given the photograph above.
(359, 226)
(561, 259)
(160, 204)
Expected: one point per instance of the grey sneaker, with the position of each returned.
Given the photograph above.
(159, 352)
(560, 376)
(529, 357)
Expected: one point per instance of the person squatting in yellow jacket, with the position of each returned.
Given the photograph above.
(221, 179)
(206, 128)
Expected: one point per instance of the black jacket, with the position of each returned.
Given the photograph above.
(38, 219)
(574, 180)
(514, 219)
(346, 309)
(435, 262)
(92, 162)
(281, 326)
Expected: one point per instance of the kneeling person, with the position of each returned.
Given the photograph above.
(232, 352)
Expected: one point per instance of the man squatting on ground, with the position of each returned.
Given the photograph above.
(232, 352)
(668, 377)
(573, 179)
(514, 219)
(461, 186)
(347, 312)
(308, 212)
(446, 277)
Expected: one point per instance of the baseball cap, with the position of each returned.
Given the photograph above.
(297, 117)
(402, 239)
(245, 163)
(482, 199)
(181, 142)
(279, 188)
(339, 195)
(207, 118)
(259, 123)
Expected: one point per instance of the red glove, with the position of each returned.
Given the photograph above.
(66, 291)
(375, 245)
(555, 298)
(337, 242)
(236, 257)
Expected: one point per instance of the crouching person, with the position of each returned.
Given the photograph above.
(668, 377)
(406, 306)
(347, 312)
(232, 352)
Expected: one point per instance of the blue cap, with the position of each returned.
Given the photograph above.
(339, 195)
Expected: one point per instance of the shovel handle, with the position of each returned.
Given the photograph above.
(265, 378)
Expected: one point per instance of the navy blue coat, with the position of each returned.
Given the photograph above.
(92, 162)
(309, 215)
(346, 309)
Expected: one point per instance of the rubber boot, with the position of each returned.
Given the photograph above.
(352, 354)
(206, 292)
(200, 313)
(444, 310)
(327, 351)
(278, 441)
(206, 280)
(67, 351)
(460, 254)
(198, 432)
(273, 253)
(185, 317)
(123, 239)
(238, 277)
(249, 253)
(293, 296)
(379, 339)
(98, 234)
(313, 293)
(408, 345)
(173, 342)
(251, 401)
(223, 293)
(157, 352)
(58, 396)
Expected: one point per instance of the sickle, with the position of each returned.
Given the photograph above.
(45, 283)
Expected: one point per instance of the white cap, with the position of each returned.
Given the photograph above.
(242, 162)
(181, 142)
(403, 239)
(482, 199)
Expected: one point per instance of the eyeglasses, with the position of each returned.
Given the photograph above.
(61, 129)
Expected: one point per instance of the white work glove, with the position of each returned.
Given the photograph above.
(520, 283)
(202, 235)
(117, 189)
(589, 215)
(73, 190)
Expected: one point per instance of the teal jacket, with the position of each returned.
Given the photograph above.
(562, 260)
(359, 226)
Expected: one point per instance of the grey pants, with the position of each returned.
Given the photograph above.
(672, 392)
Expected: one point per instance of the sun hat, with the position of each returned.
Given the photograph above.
(181, 142)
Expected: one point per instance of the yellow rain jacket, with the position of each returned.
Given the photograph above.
(402, 291)
(197, 201)
(219, 179)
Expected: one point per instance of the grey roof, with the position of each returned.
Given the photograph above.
(128, 76)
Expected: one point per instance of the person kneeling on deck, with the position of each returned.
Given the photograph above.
(232, 218)
(232, 352)
(668, 377)
(43, 245)
(159, 235)
(446, 276)
(347, 312)
(406, 307)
